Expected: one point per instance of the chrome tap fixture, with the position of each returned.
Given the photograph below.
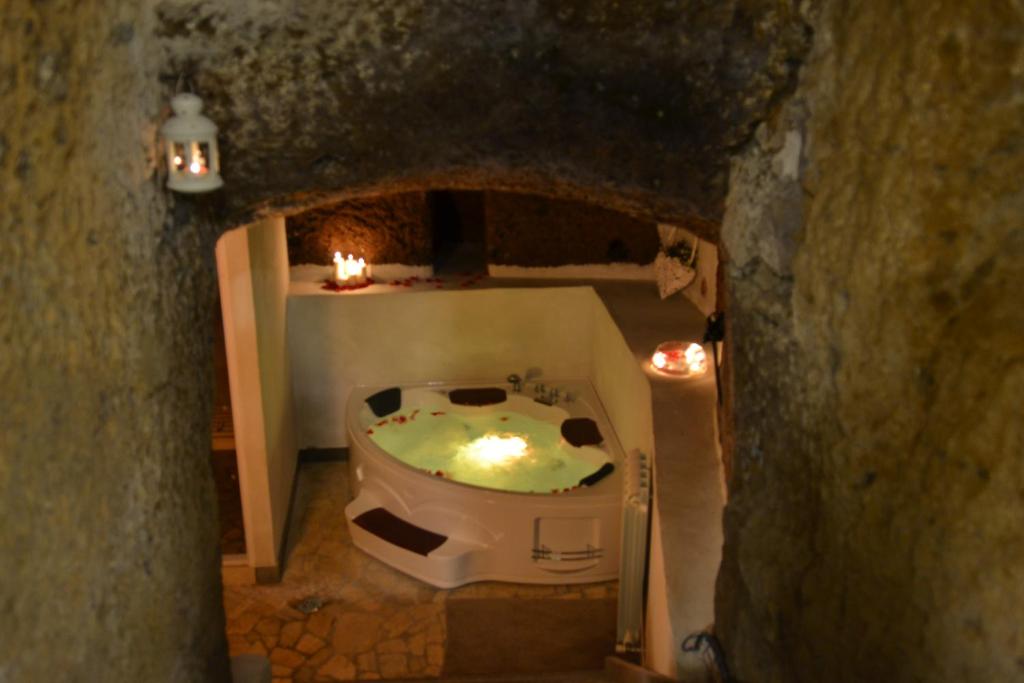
(547, 396)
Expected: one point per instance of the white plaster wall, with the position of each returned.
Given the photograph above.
(268, 254)
(620, 383)
(660, 654)
(338, 341)
(252, 266)
(625, 393)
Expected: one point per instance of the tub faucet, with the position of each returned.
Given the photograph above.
(516, 381)
(548, 397)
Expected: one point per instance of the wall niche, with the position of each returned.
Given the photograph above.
(471, 230)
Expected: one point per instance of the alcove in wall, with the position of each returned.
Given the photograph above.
(331, 341)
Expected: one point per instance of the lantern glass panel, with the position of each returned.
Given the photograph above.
(213, 155)
(199, 158)
(176, 156)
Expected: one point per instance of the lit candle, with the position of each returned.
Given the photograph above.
(696, 359)
(349, 271)
(198, 165)
(340, 274)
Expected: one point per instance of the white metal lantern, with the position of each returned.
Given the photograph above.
(193, 162)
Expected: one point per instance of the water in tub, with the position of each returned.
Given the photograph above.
(493, 448)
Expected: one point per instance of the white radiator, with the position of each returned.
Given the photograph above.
(633, 559)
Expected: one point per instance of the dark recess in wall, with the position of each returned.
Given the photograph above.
(392, 228)
(459, 231)
(531, 230)
(223, 458)
(463, 231)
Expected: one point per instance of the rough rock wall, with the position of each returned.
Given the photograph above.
(530, 230)
(386, 229)
(108, 539)
(635, 105)
(874, 231)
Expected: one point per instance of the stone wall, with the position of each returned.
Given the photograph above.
(874, 236)
(386, 229)
(530, 230)
(108, 538)
(632, 105)
(525, 230)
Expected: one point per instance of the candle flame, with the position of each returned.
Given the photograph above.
(348, 268)
(696, 359)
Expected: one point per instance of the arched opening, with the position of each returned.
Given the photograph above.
(576, 294)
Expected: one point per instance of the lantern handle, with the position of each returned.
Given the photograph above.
(187, 81)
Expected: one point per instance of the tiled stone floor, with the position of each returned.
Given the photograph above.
(374, 622)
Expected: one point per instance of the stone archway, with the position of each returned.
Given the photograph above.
(108, 549)
(106, 496)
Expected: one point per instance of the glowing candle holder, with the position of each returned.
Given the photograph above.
(349, 272)
(680, 359)
(193, 162)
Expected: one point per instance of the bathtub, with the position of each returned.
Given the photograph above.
(448, 533)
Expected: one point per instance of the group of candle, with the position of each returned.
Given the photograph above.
(349, 271)
(198, 161)
(676, 359)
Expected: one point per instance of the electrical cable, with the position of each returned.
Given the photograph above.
(714, 333)
(695, 642)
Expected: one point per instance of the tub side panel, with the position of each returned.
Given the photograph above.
(619, 381)
(625, 394)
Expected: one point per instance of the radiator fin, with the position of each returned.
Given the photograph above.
(633, 561)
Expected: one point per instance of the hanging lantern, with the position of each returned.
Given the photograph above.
(193, 163)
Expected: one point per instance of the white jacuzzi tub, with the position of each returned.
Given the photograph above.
(448, 533)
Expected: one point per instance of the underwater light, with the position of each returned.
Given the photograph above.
(495, 449)
(679, 359)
